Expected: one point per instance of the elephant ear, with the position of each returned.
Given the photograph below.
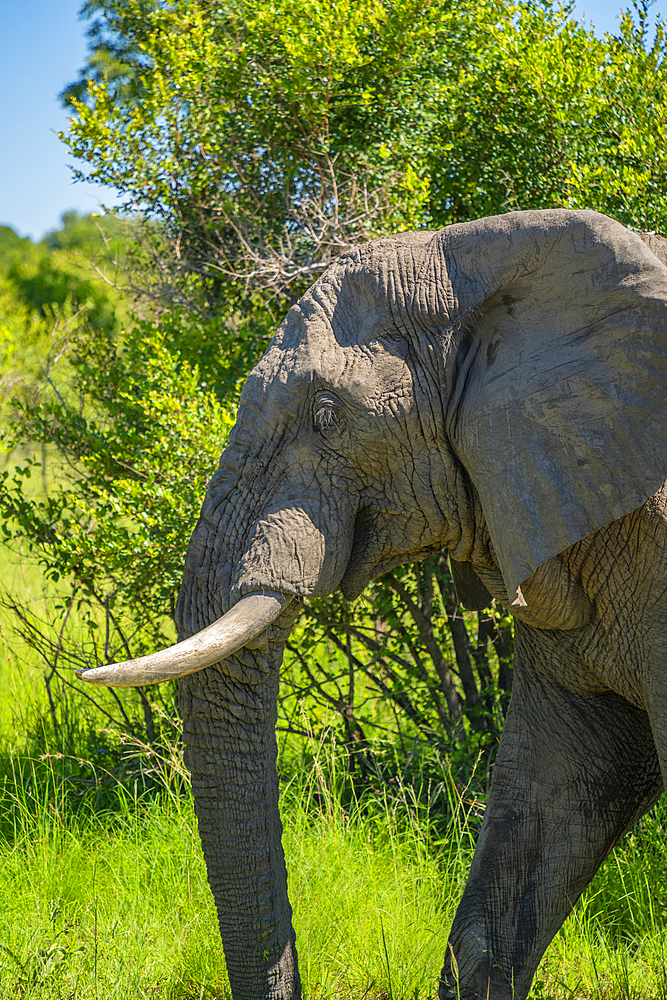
(556, 371)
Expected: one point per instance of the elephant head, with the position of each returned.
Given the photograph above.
(495, 389)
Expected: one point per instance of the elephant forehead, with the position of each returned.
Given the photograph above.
(363, 374)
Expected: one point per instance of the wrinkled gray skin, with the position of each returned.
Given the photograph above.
(495, 389)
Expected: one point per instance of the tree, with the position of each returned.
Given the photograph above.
(48, 288)
(271, 135)
(252, 142)
(553, 117)
(109, 533)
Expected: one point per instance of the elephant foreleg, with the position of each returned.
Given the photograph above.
(573, 773)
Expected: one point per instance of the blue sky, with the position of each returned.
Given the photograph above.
(42, 46)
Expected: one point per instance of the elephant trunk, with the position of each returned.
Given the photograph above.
(229, 714)
(251, 546)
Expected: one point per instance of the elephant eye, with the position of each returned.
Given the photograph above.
(328, 417)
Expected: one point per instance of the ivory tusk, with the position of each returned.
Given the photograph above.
(243, 622)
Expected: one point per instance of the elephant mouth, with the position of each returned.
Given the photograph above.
(242, 623)
(373, 554)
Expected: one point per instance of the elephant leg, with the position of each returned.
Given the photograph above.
(574, 772)
(656, 698)
(229, 716)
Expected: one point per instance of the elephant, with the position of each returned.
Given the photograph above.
(494, 389)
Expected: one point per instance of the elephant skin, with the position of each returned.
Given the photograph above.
(495, 389)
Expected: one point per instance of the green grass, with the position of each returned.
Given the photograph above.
(112, 901)
(104, 892)
(614, 945)
(116, 904)
(107, 907)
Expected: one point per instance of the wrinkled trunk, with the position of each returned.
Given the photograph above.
(229, 716)
(271, 522)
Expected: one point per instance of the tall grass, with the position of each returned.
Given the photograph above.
(105, 905)
(114, 902)
(104, 891)
(614, 944)
(373, 894)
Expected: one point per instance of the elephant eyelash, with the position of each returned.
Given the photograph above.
(327, 419)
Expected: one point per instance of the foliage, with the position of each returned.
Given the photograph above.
(113, 56)
(402, 672)
(104, 886)
(115, 526)
(260, 140)
(62, 267)
(255, 141)
(271, 135)
(49, 289)
(86, 236)
(550, 116)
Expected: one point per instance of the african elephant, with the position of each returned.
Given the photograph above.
(496, 389)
